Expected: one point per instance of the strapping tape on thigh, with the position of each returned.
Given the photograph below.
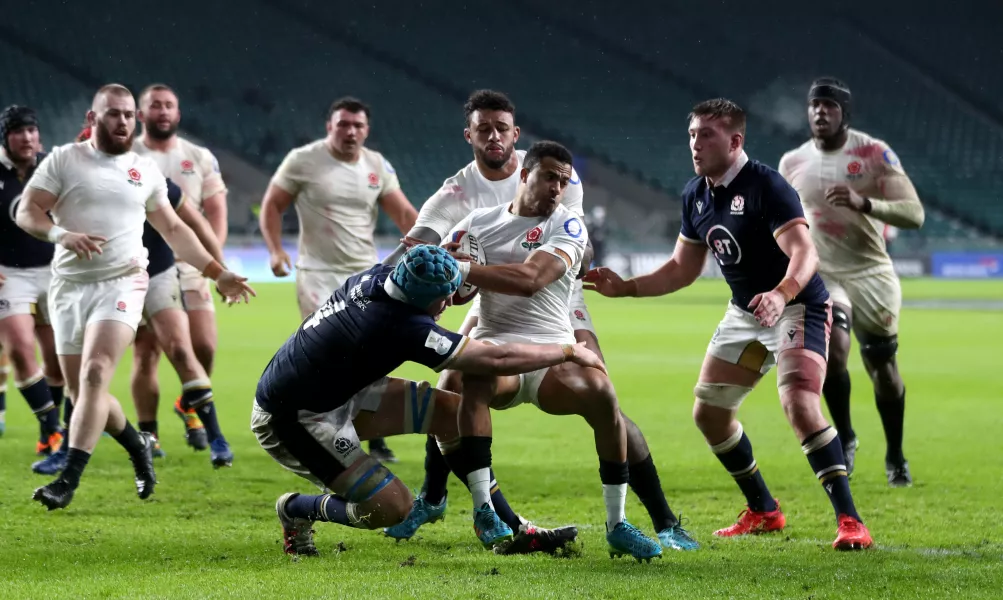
(367, 479)
(721, 395)
(418, 407)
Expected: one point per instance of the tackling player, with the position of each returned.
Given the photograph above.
(852, 186)
(779, 313)
(492, 179)
(24, 282)
(369, 326)
(196, 171)
(336, 184)
(99, 194)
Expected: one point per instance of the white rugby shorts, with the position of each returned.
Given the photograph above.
(196, 289)
(876, 300)
(25, 292)
(73, 306)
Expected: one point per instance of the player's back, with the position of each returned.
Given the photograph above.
(19, 249)
(470, 190)
(848, 242)
(348, 343)
(507, 238)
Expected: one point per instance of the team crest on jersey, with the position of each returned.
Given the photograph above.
(374, 181)
(854, 170)
(738, 205)
(187, 167)
(533, 239)
(134, 178)
(579, 315)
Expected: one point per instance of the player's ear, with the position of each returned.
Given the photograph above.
(524, 174)
(736, 141)
(466, 135)
(328, 126)
(92, 118)
(515, 138)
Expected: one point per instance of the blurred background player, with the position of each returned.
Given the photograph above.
(337, 185)
(372, 324)
(598, 228)
(779, 314)
(195, 170)
(24, 286)
(102, 193)
(490, 180)
(852, 187)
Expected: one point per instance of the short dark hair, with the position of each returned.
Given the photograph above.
(155, 87)
(721, 108)
(487, 100)
(541, 150)
(352, 105)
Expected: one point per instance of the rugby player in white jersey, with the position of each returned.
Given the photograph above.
(195, 170)
(852, 185)
(492, 180)
(24, 284)
(337, 186)
(99, 193)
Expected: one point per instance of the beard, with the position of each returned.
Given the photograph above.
(494, 163)
(109, 144)
(152, 130)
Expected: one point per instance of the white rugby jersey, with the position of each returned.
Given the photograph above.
(337, 205)
(192, 167)
(469, 190)
(506, 238)
(101, 194)
(848, 242)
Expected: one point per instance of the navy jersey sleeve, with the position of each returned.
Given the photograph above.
(782, 205)
(687, 231)
(174, 195)
(428, 344)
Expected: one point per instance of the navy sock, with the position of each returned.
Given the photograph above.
(76, 462)
(130, 440)
(3, 398)
(207, 412)
(735, 454)
(40, 400)
(892, 411)
(56, 391)
(825, 455)
(197, 394)
(433, 489)
(325, 507)
(836, 391)
(149, 427)
(646, 484)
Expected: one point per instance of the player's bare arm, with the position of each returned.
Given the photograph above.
(276, 202)
(399, 209)
(184, 242)
(680, 271)
(202, 228)
(32, 216)
(479, 358)
(214, 208)
(795, 241)
(415, 236)
(524, 279)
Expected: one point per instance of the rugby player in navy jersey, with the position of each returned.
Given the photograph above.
(328, 387)
(24, 282)
(779, 313)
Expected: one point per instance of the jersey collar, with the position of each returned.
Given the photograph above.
(733, 171)
(394, 291)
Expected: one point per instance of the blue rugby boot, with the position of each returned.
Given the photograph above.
(490, 529)
(422, 512)
(677, 538)
(627, 539)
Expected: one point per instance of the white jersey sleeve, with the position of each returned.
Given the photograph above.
(389, 177)
(212, 179)
(574, 195)
(158, 192)
(48, 176)
(289, 175)
(568, 238)
(444, 209)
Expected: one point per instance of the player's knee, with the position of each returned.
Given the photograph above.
(599, 402)
(388, 507)
(879, 351)
(451, 381)
(97, 371)
(444, 423)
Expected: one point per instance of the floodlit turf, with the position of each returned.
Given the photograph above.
(208, 534)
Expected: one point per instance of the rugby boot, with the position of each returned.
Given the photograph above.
(51, 464)
(195, 434)
(852, 535)
(677, 538)
(57, 494)
(220, 454)
(754, 523)
(142, 464)
(422, 512)
(490, 529)
(898, 474)
(530, 539)
(850, 454)
(297, 534)
(627, 539)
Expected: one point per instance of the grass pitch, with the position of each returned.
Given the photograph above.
(213, 534)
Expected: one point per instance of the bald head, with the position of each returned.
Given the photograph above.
(113, 119)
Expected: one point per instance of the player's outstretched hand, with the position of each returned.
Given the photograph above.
(234, 287)
(81, 244)
(607, 283)
(281, 263)
(767, 307)
(586, 358)
(454, 250)
(843, 197)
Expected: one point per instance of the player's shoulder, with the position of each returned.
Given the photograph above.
(765, 175)
(455, 187)
(797, 154)
(563, 218)
(378, 161)
(307, 151)
(194, 151)
(487, 214)
(695, 186)
(871, 149)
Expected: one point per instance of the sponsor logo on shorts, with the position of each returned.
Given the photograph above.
(579, 315)
(187, 167)
(135, 177)
(533, 239)
(374, 181)
(738, 205)
(120, 306)
(854, 170)
(790, 334)
(4, 305)
(344, 446)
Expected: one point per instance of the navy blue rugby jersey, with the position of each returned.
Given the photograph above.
(358, 336)
(161, 255)
(740, 222)
(19, 249)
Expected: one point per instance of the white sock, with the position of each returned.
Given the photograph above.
(479, 482)
(615, 497)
